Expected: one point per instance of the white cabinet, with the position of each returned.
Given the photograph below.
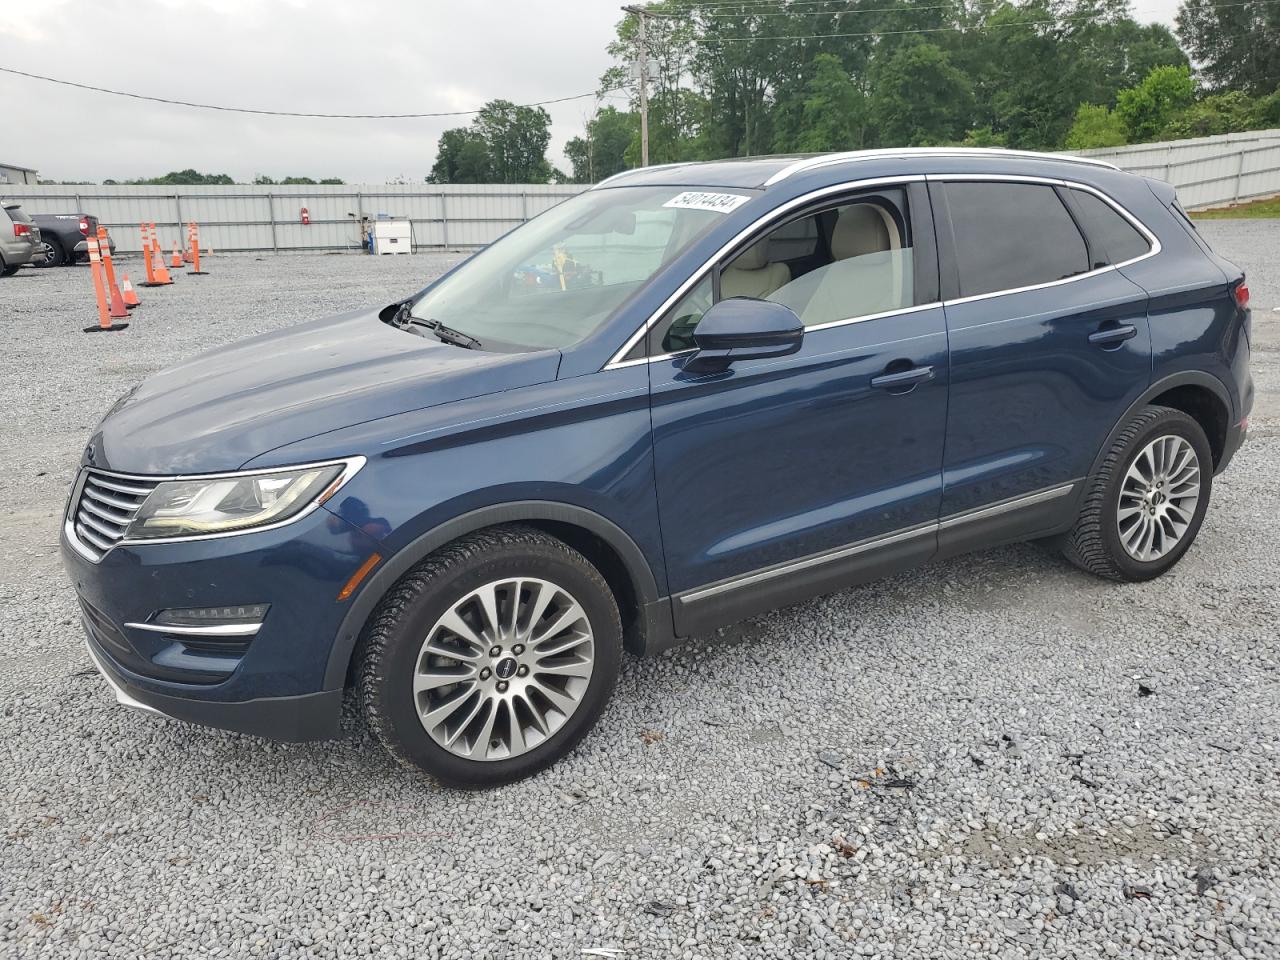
(392, 236)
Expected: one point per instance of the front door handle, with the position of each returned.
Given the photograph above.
(1113, 336)
(902, 380)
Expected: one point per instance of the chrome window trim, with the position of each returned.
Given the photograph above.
(1141, 227)
(694, 278)
(616, 362)
(350, 467)
(765, 574)
(813, 163)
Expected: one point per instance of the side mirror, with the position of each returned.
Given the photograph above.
(742, 328)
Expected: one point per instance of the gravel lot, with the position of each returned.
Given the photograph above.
(996, 755)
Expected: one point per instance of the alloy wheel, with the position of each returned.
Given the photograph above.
(503, 669)
(1158, 498)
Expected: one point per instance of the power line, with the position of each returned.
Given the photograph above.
(283, 113)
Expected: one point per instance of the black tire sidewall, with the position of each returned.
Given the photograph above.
(1169, 423)
(394, 687)
(59, 255)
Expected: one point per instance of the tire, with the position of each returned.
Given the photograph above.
(50, 254)
(7, 271)
(498, 738)
(1161, 437)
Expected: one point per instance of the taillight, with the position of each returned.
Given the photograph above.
(21, 230)
(84, 227)
(1242, 295)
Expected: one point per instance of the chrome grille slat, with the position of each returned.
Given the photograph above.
(104, 497)
(84, 533)
(97, 525)
(119, 486)
(106, 506)
(103, 512)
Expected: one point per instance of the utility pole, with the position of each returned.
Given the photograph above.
(643, 64)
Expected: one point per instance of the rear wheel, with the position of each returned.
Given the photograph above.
(1144, 508)
(50, 254)
(492, 658)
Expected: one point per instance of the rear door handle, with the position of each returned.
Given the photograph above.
(903, 379)
(1111, 336)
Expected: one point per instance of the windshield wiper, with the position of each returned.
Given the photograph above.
(405, 319)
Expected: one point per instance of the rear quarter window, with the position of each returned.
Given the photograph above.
(1012, 235)
(1119, 239)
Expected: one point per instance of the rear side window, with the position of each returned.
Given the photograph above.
(1010, 235)
(1119, 239)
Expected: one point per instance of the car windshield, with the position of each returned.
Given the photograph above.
(555, 280)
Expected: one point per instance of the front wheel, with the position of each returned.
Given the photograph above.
(492, 658)
(1144, 507)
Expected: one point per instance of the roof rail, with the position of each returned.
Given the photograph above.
(809, 163)
(631, 170)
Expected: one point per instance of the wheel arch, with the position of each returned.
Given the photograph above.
(1202, 392)
(645, 614)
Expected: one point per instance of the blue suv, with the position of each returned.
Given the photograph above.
(684, 397)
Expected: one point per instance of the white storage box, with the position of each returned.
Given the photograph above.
(392, 236)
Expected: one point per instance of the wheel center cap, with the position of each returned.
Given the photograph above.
(506, 668)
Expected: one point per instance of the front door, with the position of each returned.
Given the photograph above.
(782, 478)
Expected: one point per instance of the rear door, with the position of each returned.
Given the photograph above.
(1049, 346)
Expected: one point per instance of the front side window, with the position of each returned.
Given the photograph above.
(1011, 235)
(558, 278)
(842, 261)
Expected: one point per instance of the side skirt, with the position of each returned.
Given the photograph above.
(1025, 517)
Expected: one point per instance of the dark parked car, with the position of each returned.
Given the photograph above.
(65, 238)
(767, 379)
(19, 239)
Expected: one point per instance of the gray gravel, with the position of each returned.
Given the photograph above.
(950, 763)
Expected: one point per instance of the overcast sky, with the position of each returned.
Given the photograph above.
(321, 56)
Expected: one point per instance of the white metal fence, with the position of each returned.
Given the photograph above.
(269, 218)
(1209, 171)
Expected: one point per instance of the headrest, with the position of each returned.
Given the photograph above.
(860, 229)
(755, 257)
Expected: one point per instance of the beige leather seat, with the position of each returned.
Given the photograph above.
(752, 275)
(866, 276)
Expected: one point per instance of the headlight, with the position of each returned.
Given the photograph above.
(183, 508)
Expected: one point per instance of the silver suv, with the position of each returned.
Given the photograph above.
(19, 239)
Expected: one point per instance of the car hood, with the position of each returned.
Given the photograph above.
(223, 408)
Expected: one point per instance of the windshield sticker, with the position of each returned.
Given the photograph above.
(715, 202)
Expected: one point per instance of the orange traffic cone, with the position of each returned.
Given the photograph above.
(162, 275)
(195, 253)
(176, 262)
(118, 309)
(99, 288)
(128, 294)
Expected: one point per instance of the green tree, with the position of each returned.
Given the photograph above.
(1218, 113)
(1237, 45)
(919, 97)
(602, 152)
(516, 139)
(462, 156)
(833, 114)
(1095, 126)
(188, 177)
(1148, 107)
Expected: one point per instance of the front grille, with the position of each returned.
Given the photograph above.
(107, 505)
(101, 629)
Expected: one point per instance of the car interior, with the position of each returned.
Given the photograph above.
(838, 263)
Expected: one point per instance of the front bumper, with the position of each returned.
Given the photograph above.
(272, 684)
(310, 716)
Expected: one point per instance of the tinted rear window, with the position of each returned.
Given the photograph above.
(1119, 239)
(17, 214)
(1010, 235)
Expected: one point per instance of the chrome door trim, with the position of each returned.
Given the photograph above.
(814, 560)
(1007, 506)
(765, 574)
